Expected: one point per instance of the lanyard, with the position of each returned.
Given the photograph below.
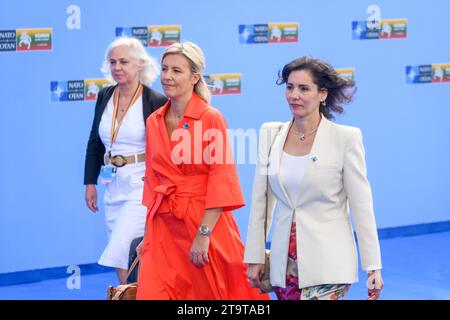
(114, 130)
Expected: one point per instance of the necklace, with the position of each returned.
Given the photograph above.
(302, 135)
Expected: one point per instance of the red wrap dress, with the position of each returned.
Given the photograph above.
(186, 174)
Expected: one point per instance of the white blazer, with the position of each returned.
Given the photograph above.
(335, 179)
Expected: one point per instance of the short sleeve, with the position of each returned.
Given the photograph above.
(223, 187)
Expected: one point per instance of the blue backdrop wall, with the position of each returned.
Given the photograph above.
(400, 107)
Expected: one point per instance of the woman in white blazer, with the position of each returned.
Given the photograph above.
(314, 172)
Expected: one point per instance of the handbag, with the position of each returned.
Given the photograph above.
(266, 286)
(124, 291)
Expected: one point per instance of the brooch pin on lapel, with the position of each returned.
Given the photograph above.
(314, 158)
(185, 126)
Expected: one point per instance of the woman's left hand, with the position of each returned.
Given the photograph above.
(199, 251)
(374, 284)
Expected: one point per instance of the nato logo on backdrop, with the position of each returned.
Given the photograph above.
(387, 29)
(140, 33)
(152, 36)
(76, 90)
(376, 28)
(268, 33)
(71, 90)
(428, 73)
(26, 39)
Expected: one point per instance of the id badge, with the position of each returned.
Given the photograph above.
(107, 174)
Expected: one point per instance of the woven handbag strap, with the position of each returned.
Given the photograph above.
(133, 265)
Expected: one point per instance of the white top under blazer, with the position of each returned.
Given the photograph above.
(292, 170)
(335, 183)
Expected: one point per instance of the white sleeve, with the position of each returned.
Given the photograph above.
(359, 195)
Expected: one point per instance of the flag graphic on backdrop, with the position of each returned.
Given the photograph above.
(347, 73)
(76, 90)
(26, 39)
(387, 29)
(224, 83)
(283, 32)
(428, 73)
(152, 36)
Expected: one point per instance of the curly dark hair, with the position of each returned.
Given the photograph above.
(325, 77)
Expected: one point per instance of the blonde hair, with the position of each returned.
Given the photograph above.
(150, 70)
(196, 60)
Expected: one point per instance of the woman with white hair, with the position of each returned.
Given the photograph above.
(116, 146)
(191, 248)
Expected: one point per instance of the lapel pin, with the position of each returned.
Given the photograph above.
(185, 125)
(314, 158)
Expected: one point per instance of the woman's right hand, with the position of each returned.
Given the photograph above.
(254, 274)
(91, 197)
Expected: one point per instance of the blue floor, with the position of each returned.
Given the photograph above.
(413, 268)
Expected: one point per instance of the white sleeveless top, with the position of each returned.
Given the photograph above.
(292, 170)
(127, 184)
(131, 136)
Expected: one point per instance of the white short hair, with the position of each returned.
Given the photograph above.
(150, 69)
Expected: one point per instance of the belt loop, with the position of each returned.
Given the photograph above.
(135, 158)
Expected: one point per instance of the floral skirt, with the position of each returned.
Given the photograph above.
(292, 291)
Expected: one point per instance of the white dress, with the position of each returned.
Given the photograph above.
(124, 213)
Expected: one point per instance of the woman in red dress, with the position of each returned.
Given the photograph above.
(192, 247)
